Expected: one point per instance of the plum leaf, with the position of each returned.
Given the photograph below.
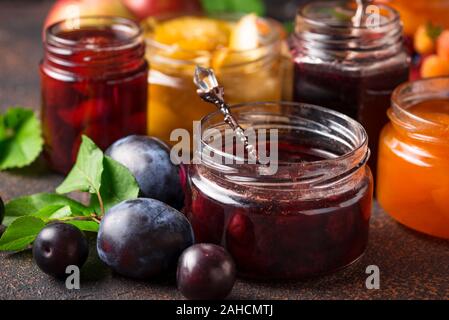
(117, 184)
(21, 233)
(86, 174)
(20, 138)
(41, 205)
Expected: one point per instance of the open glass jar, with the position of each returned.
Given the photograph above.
(248, 75)
(352, 67)
(310, 217)
(413, 172)
(93, 82)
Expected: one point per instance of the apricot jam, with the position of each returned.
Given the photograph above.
(93, 82)
(413, 172)
(347, 67)
(311, 217)
(245, 54)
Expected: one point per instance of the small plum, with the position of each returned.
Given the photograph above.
(143, 238)
(2, 210)
(205, 271)
(58, 246)
(149, 161)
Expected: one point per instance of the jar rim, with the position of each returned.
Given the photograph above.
(403, 97)
(274, 38)
(348, 162)
(394, 19)
(134, 32)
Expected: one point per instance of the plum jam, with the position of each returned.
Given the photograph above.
(349, 66)
(308, 218)
(93, 82)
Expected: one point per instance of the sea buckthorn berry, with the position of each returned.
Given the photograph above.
(434, 66)
(443, 45)
(423, 43)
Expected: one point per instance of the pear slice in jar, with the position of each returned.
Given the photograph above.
(244, 40)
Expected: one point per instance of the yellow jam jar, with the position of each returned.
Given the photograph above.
(245, 54)
(413, 165)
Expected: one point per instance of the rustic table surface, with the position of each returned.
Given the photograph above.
(412, 266)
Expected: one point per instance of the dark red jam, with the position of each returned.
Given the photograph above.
(365, 98)
(278, 234)
(94, 82)
(349, 64)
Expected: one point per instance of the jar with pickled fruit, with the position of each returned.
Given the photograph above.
(93, 82)
(413, 165)
(245, 54)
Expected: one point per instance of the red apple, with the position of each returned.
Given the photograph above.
(161, 8)
(67, 9)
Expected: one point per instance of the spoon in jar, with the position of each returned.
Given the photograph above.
(210, 91)
(357, 19)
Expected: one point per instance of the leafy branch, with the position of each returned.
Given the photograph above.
(106, 180)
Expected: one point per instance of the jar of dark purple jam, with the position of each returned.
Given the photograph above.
(349, 66)
(309, 218)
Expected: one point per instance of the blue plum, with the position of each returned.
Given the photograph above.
(58, 246)
(143, 238)
(149, 161)
(205, 271)
(2, 210)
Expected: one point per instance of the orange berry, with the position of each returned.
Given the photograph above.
(422, 42)
(434, 66)
(443, 45)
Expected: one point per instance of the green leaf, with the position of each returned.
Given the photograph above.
(86, 174)
(117, 184)
(214, 6)
(91, 226)
(21, 233)
(54, 212)
(248, 6)
(40, 205)
(234, 6)
(433, 31)
(20, 138)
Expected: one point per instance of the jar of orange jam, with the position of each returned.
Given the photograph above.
(413, 165)
(245, 54)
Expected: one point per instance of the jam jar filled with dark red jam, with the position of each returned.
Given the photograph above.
(93, 82)
(349, 62)
(310, 217)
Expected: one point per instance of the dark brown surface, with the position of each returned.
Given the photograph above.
(412, 266)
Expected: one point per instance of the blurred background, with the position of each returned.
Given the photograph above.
(22, 22)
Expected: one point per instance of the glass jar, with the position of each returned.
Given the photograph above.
(413, 172)
(93, 82)
(247, 75)
(349, 68)
(311, 217)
